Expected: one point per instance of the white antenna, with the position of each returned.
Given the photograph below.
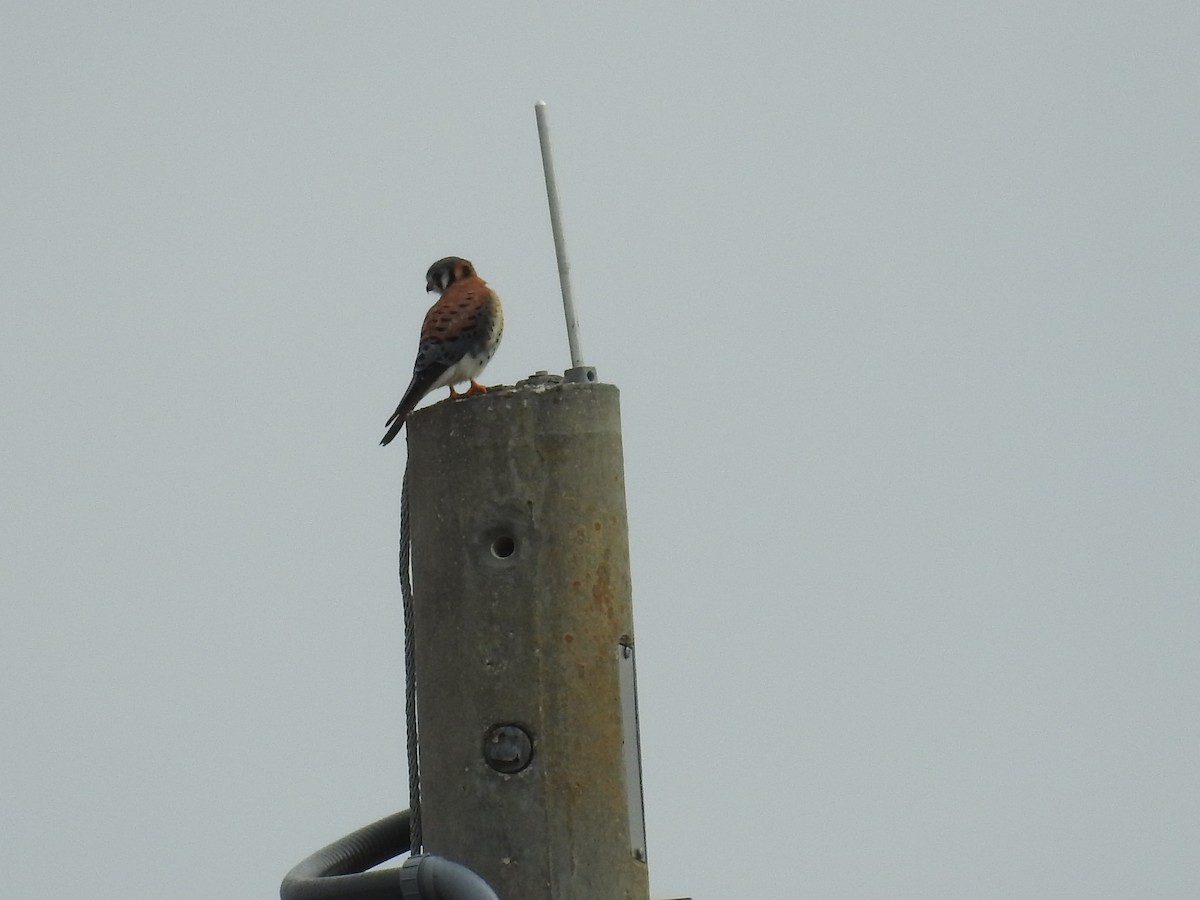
(578, 371)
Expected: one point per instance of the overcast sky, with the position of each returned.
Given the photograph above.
(902, 303)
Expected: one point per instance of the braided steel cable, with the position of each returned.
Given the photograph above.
(410, 672)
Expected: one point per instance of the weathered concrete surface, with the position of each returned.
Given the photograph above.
(522, 600)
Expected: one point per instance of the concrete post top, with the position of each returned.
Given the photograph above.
(585, 404)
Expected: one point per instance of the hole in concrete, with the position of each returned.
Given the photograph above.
(503, 546)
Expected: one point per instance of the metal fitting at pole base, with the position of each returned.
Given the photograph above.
(580, 375)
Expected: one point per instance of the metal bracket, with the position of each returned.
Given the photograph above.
(632, 746)
(580, 375)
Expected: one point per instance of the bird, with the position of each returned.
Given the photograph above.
(460, 334)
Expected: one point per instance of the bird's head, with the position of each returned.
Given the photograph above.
(445, 272)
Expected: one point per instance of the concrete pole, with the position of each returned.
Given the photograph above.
(523, 618)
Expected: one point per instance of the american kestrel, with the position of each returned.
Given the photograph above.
(458, 337)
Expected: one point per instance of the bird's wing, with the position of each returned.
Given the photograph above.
(457, 324)
(453, 324)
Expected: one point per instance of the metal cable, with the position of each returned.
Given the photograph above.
(410, 672)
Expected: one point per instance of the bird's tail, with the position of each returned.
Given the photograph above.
(417, 388)
(396, 422)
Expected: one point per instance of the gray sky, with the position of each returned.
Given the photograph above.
(902, 302)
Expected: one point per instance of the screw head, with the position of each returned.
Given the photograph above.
(508, 748)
